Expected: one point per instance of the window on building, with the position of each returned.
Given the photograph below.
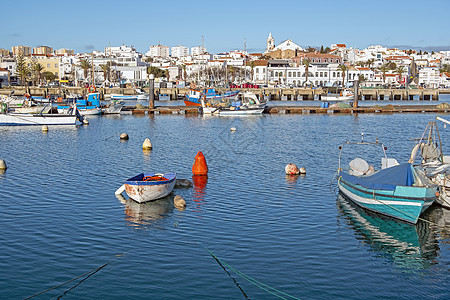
(56, 65)
(290, 74)
(257, 71)
(276, 74)
(325, 74)
(48, 65)
(334, 74)
(317, 75)
(321, 74)
(338, 74)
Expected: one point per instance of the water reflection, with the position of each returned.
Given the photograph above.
(405, 245)
(199, 190)
(148, 213)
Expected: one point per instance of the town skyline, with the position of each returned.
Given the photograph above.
(88, 26)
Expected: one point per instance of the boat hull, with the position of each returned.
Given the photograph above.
(403, 203)
(16, 119)
(143, 191)
(84, 111)
(241, 112)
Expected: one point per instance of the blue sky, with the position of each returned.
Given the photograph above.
(86, 25)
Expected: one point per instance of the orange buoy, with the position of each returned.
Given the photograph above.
(200, 167)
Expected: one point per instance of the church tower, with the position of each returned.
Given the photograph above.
(270, 43)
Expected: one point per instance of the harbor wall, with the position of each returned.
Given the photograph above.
(272, 94)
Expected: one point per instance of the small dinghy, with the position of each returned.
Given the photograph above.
(150, 186)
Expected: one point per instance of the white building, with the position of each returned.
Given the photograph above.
(429, 77)
(180, 51)
(198, 50)
(122, 51)
(318, 75)
(159, 51)
(4, 77)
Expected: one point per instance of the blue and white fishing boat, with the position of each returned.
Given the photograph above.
(150, 186)
(90, 106)
(397, 191)
(209, 95)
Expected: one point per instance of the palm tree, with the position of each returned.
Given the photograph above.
(344, 69)
(85, 64)
(370, 62)
(383, 69)
(306, 63)
(400, 70)
(37, 69)
(106, 72)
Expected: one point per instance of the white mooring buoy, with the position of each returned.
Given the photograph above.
(124, 136)
(147, 145)
(291, 169)
(302, 171)
(3, 165)
(179, 202)
(44, 128)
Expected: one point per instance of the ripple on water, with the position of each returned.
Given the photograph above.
(61, 217)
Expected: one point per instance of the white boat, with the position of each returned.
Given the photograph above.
(113, 107)
(84, 111)
(150, 186)
(345, 95)
(240, 111)
(16, 119)
(247, 103)
(433, 163)
(140, 97)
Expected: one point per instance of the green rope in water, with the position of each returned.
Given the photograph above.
(88, 273)
(253, 281)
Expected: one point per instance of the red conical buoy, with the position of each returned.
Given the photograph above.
(200, 167)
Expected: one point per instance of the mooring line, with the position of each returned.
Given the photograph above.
(89, 273)
(253, 281)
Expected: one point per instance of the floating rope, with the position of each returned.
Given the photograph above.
(253, 281)
(89, 273)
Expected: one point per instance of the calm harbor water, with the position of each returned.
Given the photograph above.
(60, 218)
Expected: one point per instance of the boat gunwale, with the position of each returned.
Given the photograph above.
(349, 184)
(150, 183)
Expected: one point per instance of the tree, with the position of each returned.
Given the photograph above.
(400, 70)
(36, 69)
(391, 65)
(321, 49)
(343, 68)
(311, 49)
(85, 65)
(383, 69)
(370, 62)
(157, 72)
(106, 72)
(306, 63)
(22, 69)
(48, 76)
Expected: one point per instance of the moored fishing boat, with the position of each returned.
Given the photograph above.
(72, 117)
(193, 98)
(397, 191)
(345, 95)
(433, 163)
(91, 106)
(150, 186)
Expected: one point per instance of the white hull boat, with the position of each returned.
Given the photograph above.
(150, 186)
(18, 119)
